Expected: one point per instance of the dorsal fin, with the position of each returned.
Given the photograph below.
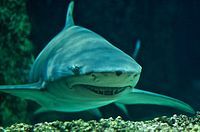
(69, 17)
(137, 48)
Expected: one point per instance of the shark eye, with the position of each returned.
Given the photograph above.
(76, 69)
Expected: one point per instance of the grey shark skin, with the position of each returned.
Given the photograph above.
(79, 70)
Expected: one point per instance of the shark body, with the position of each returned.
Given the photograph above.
(79, 70)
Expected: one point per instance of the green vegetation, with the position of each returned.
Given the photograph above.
(15, 56)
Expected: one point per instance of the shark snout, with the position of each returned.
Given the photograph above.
(119, 73)
(105, 83)
(106, 79)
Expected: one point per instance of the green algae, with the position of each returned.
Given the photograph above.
(15, 56)
(175, 123)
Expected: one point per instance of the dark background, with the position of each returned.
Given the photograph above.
(169, 31)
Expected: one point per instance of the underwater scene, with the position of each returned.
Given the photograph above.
(103, 65)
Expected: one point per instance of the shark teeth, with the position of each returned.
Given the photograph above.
(104, 90)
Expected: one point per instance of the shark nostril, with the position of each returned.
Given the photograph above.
(118, 73)
(134, 76)
(94, 77)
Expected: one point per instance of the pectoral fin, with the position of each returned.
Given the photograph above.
(137, 96)
(95, 112)
(31, 86)
(41, 110)
(26, 91)
(123, 108)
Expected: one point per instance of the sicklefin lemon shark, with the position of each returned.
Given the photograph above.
(80, 70)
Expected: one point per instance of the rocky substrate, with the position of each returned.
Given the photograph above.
(176, 123)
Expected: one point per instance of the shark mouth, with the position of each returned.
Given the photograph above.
(105, 90)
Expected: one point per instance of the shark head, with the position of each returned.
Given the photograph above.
(93, 66)
(107, 81)
(104, 70)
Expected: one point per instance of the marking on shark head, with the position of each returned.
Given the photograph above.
(80, 70)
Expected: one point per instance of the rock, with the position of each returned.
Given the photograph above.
(164, 123)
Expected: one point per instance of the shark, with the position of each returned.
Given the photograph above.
(79, 70)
